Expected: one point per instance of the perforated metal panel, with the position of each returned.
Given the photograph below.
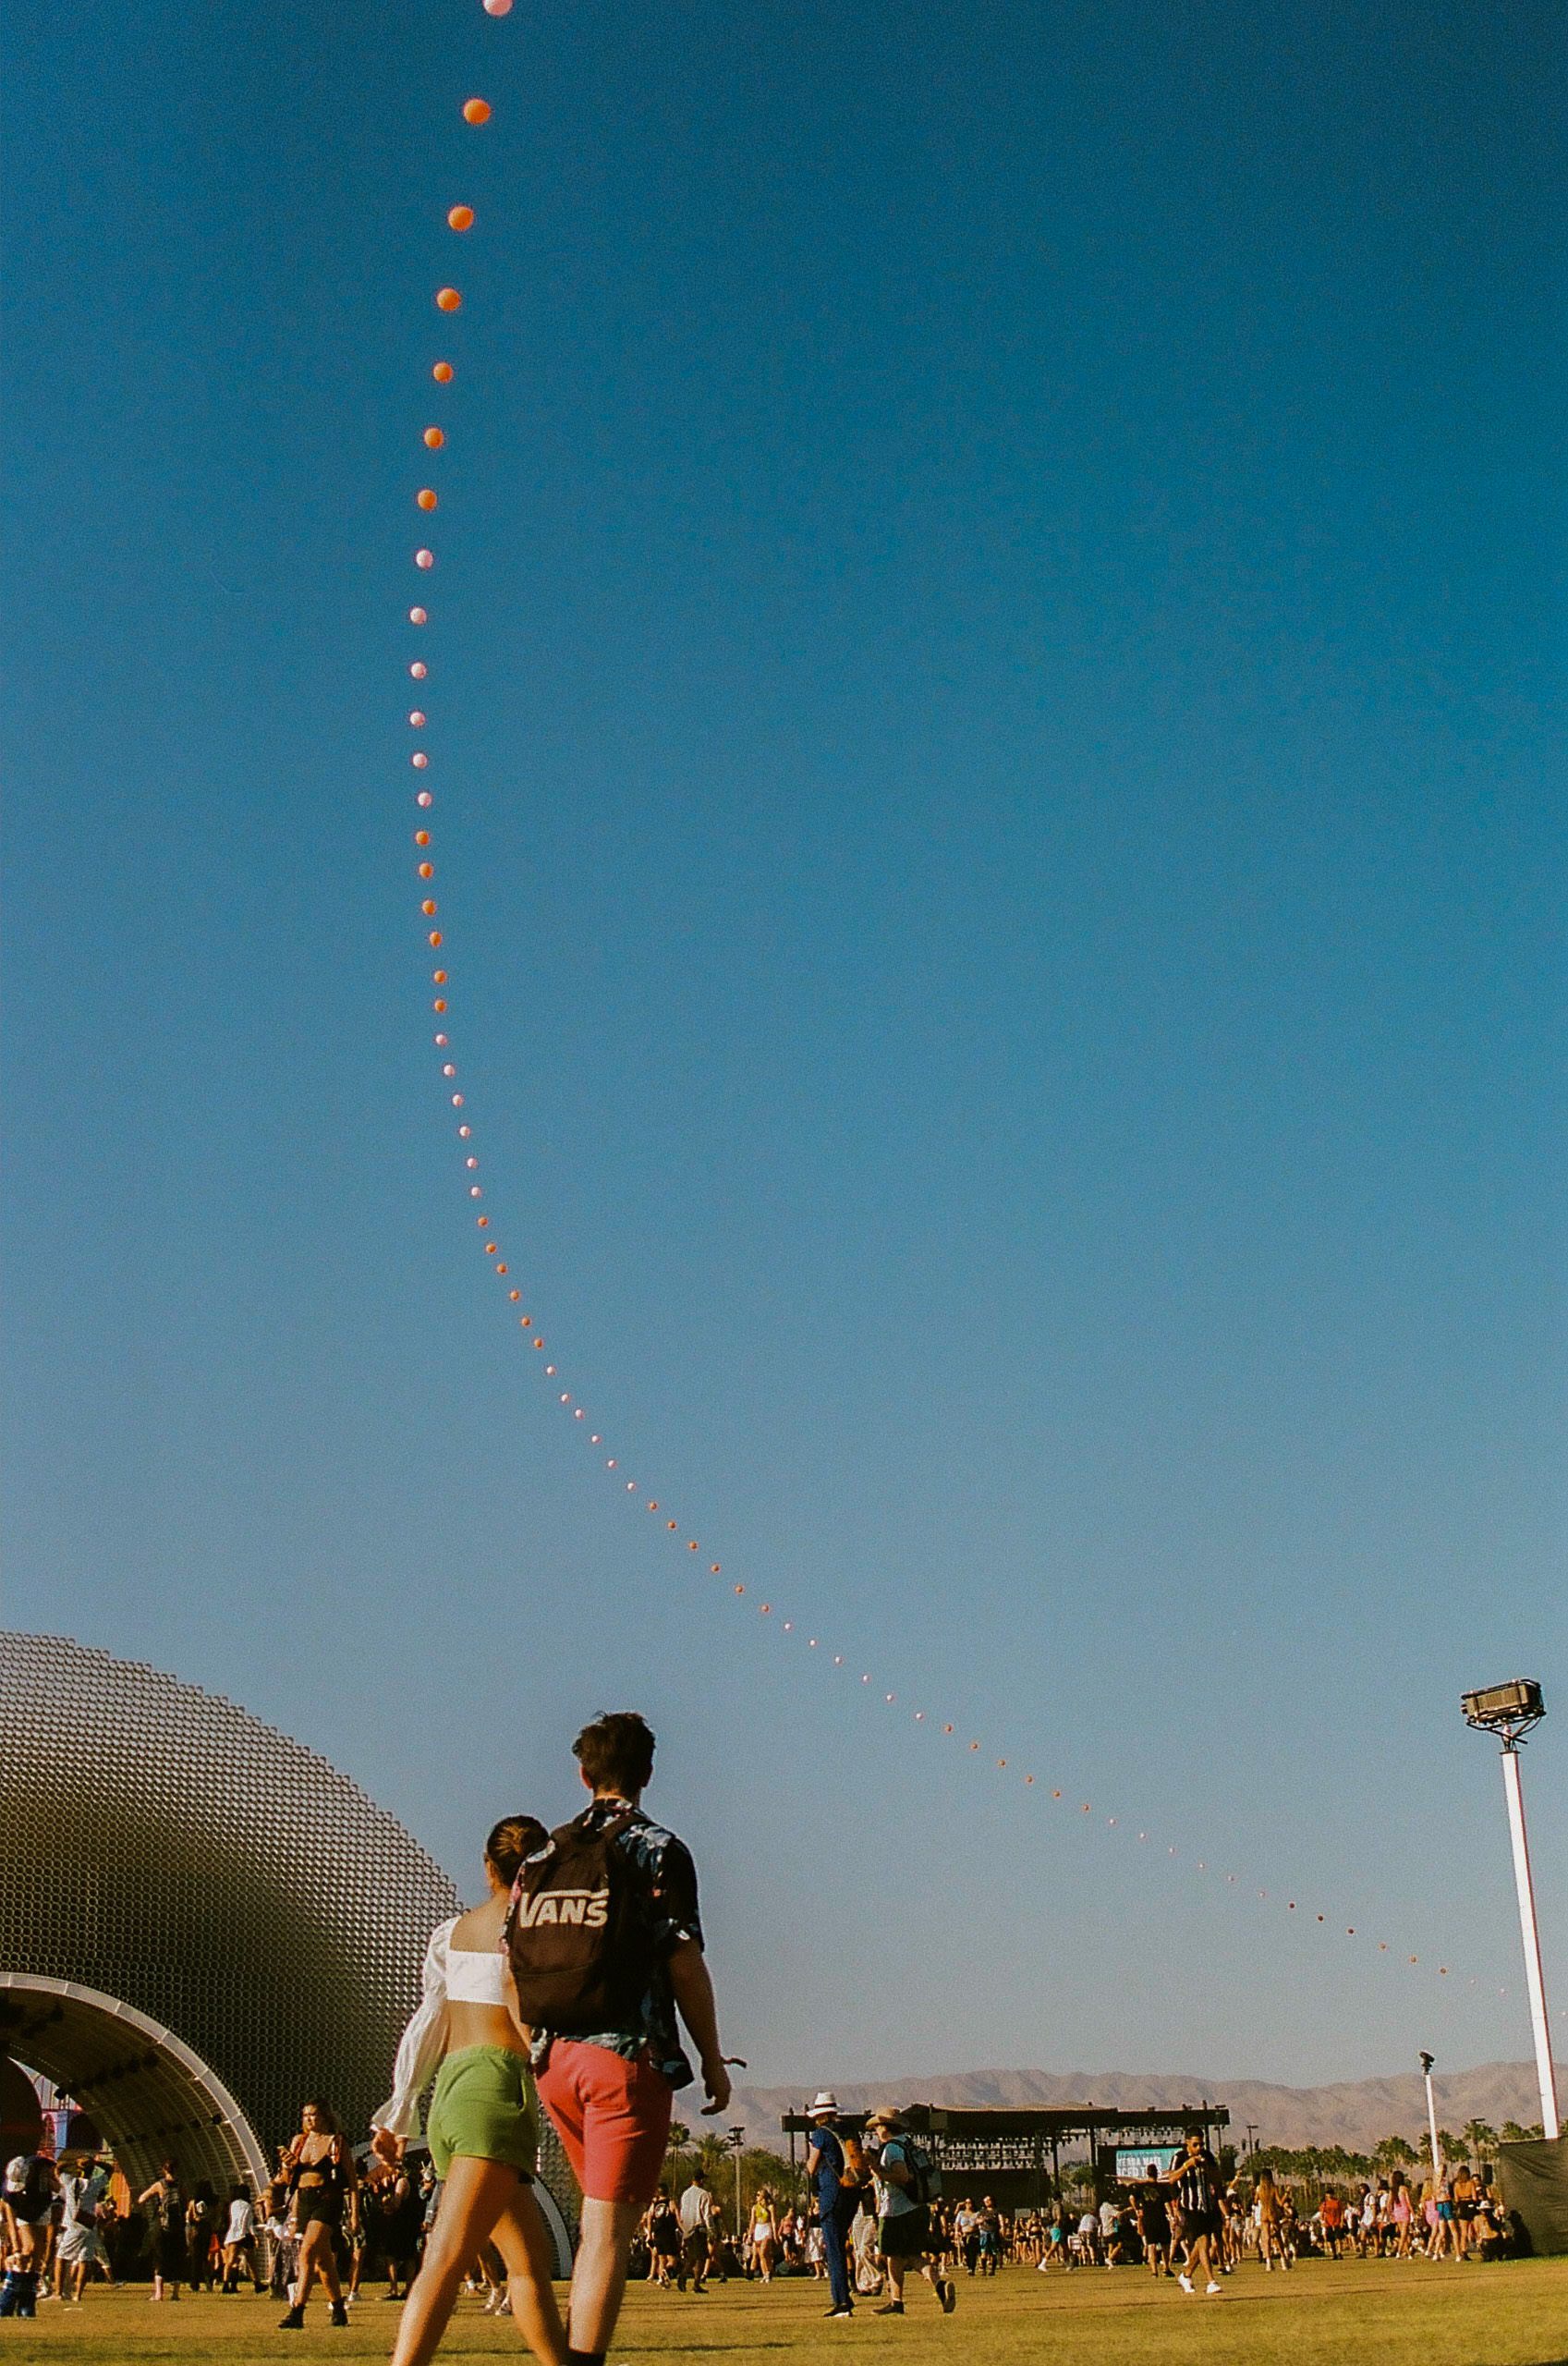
(161, 1846)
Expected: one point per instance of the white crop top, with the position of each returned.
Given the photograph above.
(476, 1976)
(460, 1975)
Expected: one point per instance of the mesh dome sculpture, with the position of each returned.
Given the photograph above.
(200, 1922)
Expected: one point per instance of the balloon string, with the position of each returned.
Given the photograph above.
(461, 218)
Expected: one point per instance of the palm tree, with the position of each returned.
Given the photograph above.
(1512, 2133)
(1394, 2153)
(1480, 2139)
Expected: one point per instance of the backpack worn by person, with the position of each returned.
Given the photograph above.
(579, 1930)
(925, 2178)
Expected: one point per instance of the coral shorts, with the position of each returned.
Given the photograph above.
(613, 2116)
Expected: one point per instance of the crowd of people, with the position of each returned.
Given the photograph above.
(567, 1988)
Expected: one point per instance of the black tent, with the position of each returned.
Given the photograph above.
(1533, 2179)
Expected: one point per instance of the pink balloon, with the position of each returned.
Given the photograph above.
(424, 797)
(497, 7)
(424, 558)
(418, 670)
(420, 761)
(416, 617)
(418, 720)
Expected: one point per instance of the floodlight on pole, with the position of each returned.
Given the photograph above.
(1514, 1710)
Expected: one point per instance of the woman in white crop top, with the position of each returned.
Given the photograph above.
(484, 2122)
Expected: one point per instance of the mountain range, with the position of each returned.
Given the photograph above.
(1357, 2114)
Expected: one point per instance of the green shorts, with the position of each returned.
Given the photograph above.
(484, 2109)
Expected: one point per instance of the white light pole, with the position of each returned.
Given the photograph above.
(1545, 2073)
(1514, 1710)
(1432, 2122)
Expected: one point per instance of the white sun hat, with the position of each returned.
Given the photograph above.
(826, 2101)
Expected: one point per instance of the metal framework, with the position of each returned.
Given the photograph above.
(1018, 2151)
(202, 1922)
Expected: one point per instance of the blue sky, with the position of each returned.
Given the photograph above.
(996, 708)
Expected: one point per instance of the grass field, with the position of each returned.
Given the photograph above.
(1363, 2313)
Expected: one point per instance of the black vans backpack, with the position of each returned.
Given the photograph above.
(580, 1931)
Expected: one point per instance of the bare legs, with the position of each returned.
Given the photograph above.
(599, 2279)
(485, 2202)
(317, 2257)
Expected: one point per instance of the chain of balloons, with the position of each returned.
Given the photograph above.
(460, 221)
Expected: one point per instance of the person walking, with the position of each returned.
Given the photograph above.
(663, 2235)
(165, 2199)
(83, 2189)
(905, 2180)
(1153, 2222)
(697, 2211)
(764, 2235)
(1269, 2228)
(239, 2240)
(835, 2173)
(1196, 2180)
(483, 2121)
(601, 1996)
(324, 2182)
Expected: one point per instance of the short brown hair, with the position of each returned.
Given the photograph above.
(617, 1752)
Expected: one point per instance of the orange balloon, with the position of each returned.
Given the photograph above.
(421, 837)
(438, 977)
(434, 438)
(476, 110)
(447, 298)
(435, 939)
(427, 909)
(425, 498)
(460, 218)
(442, 374)
(427, 871)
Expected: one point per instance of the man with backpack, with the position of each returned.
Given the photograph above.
(908, 2181)
(835, 2171)
(605, 1944)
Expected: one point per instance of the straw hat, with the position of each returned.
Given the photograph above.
(885, 2116)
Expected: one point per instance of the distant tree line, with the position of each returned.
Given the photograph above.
(1317, 2164)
